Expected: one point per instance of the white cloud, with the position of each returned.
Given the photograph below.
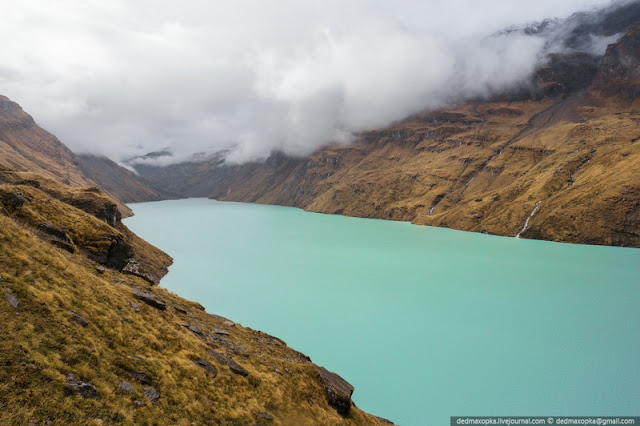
(125, 78)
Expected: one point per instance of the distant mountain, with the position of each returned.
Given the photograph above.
(115, 179)
(557, 158)
(25, 146)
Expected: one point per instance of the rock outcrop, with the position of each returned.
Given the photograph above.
(338, 390)
(84, 389)
(149, 298)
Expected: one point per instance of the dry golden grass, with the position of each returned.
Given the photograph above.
(41, 344)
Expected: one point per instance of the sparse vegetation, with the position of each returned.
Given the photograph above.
(125, 339)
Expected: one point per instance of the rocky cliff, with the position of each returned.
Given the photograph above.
(557, 159)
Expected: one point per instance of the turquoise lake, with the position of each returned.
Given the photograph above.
(426, 323)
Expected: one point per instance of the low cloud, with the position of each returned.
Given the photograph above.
(247, 77)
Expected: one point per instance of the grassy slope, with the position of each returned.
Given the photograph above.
(41, 343)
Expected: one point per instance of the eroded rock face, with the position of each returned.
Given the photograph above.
(119, 254)
(133, 267)
(620, 67)
(103, 210)
(338, 390)
(12, 200)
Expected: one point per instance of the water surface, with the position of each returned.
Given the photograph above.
(426, 323)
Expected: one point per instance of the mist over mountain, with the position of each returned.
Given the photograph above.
(245, 78)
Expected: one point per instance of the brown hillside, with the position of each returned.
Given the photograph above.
(87, 340)
(568, 145)
(25, 146)
(115, 179)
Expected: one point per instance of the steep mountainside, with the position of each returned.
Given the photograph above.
(87, 339)
(25, 146)
(115, 179)
(558, 159)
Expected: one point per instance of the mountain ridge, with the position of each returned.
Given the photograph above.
(567, 142)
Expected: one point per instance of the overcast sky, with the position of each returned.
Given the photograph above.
(123, 77)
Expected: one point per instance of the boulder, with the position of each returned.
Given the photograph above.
(236, 368)
(152, 395)
(126, 387)
(63, 245)
(338, 390)
(54, 231)
(180, 309)
(80, 320)
(141, 377)
(149, 299)
(56, 236)
(221, 332)
(229, 323)
(134, 305)
(220, 358)
(84, 389)
(12, 300)
(14, 200)
(195, 330)
(224, 341)
(206, 366)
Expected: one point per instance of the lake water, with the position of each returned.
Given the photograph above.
(426, 323)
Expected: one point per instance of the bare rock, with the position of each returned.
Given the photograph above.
(84, 389)
(12, 300)
(14, 200)
(126, 387)
(180, 309)
(236, 368)
(195, 330)
(224, 341)
(149, 299)
(338, 390)
(221, 332)
(152, 395)
(220, 358)
(206, 366)
(383, 421)
(265, 416)
(133, 267)
(100, 270)
(54, 231)
(63, 245)
(80, 320)
(134, 305)
(229, 323)
(139, 376)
